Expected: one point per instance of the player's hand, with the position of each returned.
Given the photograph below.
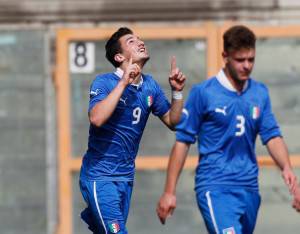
(131, 72)
(296, 201)
(166, 206)
(290, 179)
(176, 78)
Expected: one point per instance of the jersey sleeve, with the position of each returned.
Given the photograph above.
(269, 127)
(189, 126)
(98, 91)
(161, 105)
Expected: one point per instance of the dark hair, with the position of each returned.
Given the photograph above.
(238, 37)
(113, 45)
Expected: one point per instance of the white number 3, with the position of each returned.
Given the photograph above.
(136, 115)
(240, 125)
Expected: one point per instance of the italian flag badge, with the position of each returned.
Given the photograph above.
(149, 100)
(229, 230)
(255, 112)
(114, 226)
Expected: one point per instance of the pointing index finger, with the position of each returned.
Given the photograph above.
(173, 64)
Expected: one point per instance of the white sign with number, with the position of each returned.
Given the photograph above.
(82, 57)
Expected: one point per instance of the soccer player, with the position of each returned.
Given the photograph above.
(120, 104)
(225, 114)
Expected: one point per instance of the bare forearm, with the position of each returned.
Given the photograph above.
(176, 162)
(172, 117)
(101, 112)
(279, 152)
(175, 111)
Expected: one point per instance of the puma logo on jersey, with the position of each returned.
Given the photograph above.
(123, 100)
(185, 111)
(221, 110)
(94, 93)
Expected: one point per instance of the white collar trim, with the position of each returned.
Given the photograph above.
(119, 72)
(224, 81)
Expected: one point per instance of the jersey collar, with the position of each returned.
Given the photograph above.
(119, 72)
(222, 78)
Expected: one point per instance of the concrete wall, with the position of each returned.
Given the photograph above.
(95, 11)
(23, 181)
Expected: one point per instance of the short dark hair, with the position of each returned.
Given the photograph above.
(238, 37)
(113, 45)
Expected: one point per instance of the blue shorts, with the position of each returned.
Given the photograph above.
(229, 211)
(107, 205)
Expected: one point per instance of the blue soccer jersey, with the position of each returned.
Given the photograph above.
(226, 124)
(112, 148)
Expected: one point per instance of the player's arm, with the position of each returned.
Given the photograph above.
(172, 117)
(177, 82)
(167, 202)
(101, 112)
(279, 152)
(296, 201)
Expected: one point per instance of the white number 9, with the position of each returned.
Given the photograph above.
(136, 115)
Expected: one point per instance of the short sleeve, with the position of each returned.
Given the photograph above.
(189, 126)
(161, 105)
(99, 90)
(268, 127)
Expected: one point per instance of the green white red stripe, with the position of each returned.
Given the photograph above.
(149, 100)
(229, 230)
(255, 112)
(114, 227)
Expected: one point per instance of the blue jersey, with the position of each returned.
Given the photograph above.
(112, 148)
(226, 124)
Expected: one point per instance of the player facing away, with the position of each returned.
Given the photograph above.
(225, 114)
(120, 104)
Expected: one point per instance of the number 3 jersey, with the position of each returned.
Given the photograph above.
(112, 148)
(225, 124)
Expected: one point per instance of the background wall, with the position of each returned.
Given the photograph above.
(95, 11)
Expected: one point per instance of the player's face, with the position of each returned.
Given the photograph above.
(133, 46)
(239, 64)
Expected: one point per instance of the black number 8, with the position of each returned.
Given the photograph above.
(80, 59)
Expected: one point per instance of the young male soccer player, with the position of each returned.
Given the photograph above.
(225, 114)
(120, 104)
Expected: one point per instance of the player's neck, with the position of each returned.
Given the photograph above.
(137, 80)
(238, 85)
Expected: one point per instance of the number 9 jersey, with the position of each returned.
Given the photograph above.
(226, 124)
(112, 148)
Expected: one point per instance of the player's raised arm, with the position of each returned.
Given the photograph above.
(177, 83)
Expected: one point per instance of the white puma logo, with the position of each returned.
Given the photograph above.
(94, 93)
(185, 111)
(123, 100)
(221, 110)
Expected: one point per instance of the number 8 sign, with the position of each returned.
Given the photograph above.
(82, 57)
